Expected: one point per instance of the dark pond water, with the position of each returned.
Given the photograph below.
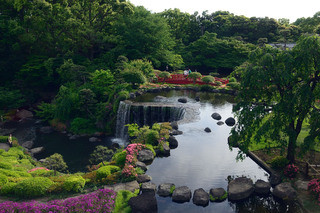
(76, 153)
(204, 160)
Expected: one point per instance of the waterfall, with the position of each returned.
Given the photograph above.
(123, 116)
(145, 114)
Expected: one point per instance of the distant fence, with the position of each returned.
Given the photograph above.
(312, 170)
(182, 79)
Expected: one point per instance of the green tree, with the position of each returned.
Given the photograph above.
(208, 79)
(194, 76)
(102, 82)
(278, 93)
(135, 77)
(56, 163)
(153, 40)
(165, 75)
(100, 154)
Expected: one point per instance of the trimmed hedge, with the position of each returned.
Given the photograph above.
(33, 187)
(74, 183)
(42, 173)
(3, 180)
(4, 165)
(8, 189)
(120, 158)
(104, 171)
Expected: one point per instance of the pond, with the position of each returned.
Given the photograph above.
(204, 160)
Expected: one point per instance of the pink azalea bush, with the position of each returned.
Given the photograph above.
(37, 168)
(131, 159)
(99, 201)
(291, 171)
(314, 187)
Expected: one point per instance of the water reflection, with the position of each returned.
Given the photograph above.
(203, 160)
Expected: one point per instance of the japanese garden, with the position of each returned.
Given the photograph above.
(108, 107)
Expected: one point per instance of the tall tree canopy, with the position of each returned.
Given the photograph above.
(278, 93)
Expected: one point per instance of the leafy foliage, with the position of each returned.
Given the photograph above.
(278, 92)
(56, 163)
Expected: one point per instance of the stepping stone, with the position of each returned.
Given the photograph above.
(200, 197)
(165, 189)
(181, 194)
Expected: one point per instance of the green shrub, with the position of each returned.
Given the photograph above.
(9, 173)
(120, 158)
(121, 202)
(1, 150)
(234, 85)
(42, 173)
(16, 152)
(139, 171)
(166, 125)
(214, 74)
(156, 127)
(104, 171)
(150, 147)
(74, 183)
(82, 126)
(208, 79)
(33, 187)
(206, 88)
(3, 180)
(279, 162)
(232, 79)
(8, 189)
(152, 137)
(23, 174)
(4, 165)
(218, 83)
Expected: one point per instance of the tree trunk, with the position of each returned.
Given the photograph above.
(293, 140)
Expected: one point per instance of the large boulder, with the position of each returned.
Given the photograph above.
(23, 114)
(275, 179)
(143, 178)
(183, 100)
(148, 187)
(129, 186)
(262, 187)
(218, 194)
(216, 116)
(200, 197)
(165, 151)
(240, 188)
(28, 144)
(46, 129)
(284, 191)
(173, 143)
(207, 129)
(94, 139)
(141, 165)
(4, 146)
(174, 125)
(37, 150)
(230, 121)
(181, 194)
(165, 189)
(145, 155)
(176, 132)
(144, 203)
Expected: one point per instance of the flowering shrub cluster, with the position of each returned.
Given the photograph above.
(131, 159)
(314, 186)
(99, 201)
(37, 168)
(291, 171)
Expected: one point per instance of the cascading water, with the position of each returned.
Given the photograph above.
(145, 114)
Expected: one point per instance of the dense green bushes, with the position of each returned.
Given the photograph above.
(74, 184)
(3, 180)
(105, 171)
(82, 126)
(33, 187)
(120, 158)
